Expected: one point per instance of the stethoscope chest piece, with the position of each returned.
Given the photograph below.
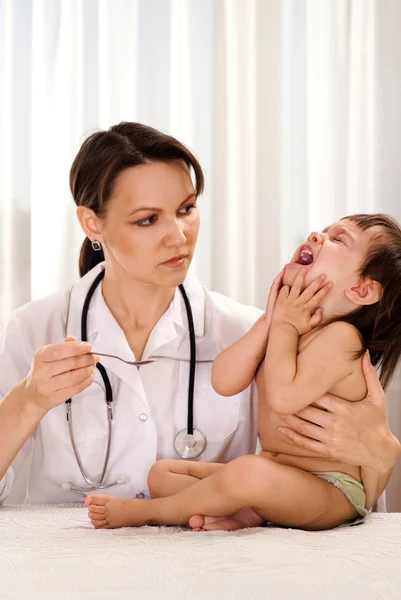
(189, 445)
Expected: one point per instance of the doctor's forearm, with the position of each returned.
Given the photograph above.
(375, 481)
(18, 419)
(374, 484)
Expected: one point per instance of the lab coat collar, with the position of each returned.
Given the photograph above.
(196, 297)
(110, 338)
(106, 336)
(174, 323)
(104, 333)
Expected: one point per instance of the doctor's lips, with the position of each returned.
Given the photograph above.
(304, 256)
(176, 261)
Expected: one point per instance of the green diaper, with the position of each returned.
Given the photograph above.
(350, 487)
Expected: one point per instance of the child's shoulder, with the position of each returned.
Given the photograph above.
(339, 334)
(342, 334)
(342, 329)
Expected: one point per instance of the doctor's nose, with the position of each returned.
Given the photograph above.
(315, 237)
(175, 235)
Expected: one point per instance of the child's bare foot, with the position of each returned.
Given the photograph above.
(110, 512)
(245, 517)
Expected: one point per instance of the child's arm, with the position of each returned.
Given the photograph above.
(235, 367)
(293, 382)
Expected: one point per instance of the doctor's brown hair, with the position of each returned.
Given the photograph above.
(105, 154)
(380, 324)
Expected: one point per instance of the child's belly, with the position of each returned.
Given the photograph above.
(277, 447)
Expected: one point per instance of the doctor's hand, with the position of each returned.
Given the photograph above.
(60, 371)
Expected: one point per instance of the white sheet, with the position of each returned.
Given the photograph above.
(53, 553)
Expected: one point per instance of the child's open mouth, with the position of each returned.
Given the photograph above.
(304, 256)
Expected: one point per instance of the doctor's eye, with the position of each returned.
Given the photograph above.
(186, 210)
(146, 222)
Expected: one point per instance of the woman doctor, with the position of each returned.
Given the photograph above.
(137, 205)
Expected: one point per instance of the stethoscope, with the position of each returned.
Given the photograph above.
(188, 443)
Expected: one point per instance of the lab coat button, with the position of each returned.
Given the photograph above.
(140, 496)
(143, 417)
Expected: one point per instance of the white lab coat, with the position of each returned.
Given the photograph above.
(150, 403)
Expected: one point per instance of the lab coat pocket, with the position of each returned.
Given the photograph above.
(214, 415)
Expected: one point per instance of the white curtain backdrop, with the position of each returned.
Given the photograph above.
(292, 107)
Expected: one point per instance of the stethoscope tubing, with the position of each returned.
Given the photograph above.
(192, 363)
(109, 392)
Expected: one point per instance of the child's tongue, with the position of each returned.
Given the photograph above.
(305, 259)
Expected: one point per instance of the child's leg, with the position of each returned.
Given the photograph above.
(168, 477)
(278, 493)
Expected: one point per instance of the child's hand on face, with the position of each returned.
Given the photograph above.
(301, 308)
(273, 295)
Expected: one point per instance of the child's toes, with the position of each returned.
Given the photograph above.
(99, 523)
(94, 509)
(97, 499)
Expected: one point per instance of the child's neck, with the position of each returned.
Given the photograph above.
(336, 307)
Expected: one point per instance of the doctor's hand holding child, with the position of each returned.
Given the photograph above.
(316, 345)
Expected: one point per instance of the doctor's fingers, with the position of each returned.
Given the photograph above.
(306, 428)
(305, 441)
(59, 389)
(315, 415)
(69, 392)
(68, 364)
(71, 379)
(62, 350)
